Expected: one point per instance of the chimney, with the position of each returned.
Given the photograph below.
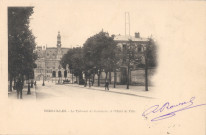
(137, 35)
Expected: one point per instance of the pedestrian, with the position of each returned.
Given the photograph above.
(19, 87)
(85, 82)
(106, 85)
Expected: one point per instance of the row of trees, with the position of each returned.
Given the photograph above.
(100, 53)
(21, 45)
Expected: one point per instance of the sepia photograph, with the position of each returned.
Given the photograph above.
(103, 67)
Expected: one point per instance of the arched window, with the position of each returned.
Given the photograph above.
(54, 74)
(65, 73)
(59, 74)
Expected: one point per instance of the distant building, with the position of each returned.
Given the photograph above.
(130, 43)
(136, 44)
(48, 61)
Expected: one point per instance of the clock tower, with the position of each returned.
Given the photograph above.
(59, 51)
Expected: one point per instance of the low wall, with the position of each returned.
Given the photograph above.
(137, 77)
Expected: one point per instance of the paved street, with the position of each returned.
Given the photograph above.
(93, 96)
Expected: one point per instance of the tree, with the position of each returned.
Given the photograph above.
(99, 54)
(150, 58)
(21, 43)
(74, 58)
(130, 57)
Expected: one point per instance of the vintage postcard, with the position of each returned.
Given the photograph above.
(115, 67)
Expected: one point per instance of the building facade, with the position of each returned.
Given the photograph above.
(132, 46)
(127, 44)
(48, 61)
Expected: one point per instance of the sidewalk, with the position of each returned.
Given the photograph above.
(31, 97)
(138, 91)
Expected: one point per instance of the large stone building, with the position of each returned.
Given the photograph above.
(48, 62)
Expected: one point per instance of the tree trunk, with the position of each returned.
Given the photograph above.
(85, 85)
(21, 91)
(32, 83)
(99, 79)
(28, 92)
(115, 78)
(10, 80)
(72, 78)
(80, 78)
(14, 83)
(93, 79)
(110, 77)
(106, 76)
(146, 74)
(89, 81)
(128, 77)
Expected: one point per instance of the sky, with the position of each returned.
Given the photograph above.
(78, 20)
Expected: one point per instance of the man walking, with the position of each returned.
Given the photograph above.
(106, 85)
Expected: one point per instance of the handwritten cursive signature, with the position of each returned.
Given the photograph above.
(157, 108)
